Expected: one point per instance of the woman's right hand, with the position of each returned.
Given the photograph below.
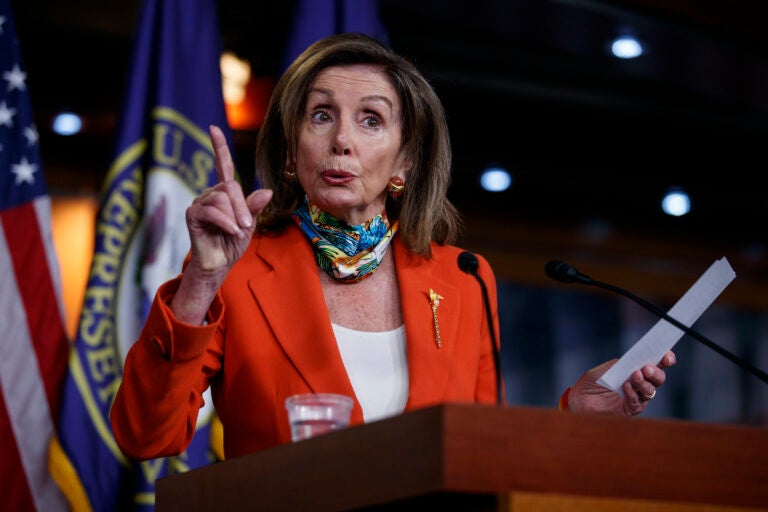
(220, 221)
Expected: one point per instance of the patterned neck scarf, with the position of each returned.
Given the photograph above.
(347, 253)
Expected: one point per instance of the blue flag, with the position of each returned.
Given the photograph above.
(316, 19)
(163, 159)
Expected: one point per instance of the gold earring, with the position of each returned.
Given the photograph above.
(395, 187)
(290, 172)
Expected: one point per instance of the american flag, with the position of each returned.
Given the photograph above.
(33, 340)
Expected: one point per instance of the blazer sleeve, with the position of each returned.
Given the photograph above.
(165, 374)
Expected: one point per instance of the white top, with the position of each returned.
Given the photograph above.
(378, 369)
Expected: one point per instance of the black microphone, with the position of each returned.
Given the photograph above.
(468, 263)
(565, 273)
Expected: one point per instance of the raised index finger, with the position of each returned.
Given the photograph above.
(225, 168)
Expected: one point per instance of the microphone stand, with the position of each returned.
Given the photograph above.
(468, 263)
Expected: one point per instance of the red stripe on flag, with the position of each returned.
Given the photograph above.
(39, 297)
(16, 493)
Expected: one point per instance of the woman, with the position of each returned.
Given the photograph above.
(338, 275)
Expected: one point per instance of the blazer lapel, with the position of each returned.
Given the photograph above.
(428, 364)
(288, 290)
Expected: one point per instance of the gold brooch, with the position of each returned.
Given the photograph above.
(434, 301)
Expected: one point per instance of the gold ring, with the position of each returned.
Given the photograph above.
(646, 398)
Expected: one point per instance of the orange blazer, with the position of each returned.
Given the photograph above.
(269, 336)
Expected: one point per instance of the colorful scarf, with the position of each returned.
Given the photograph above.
(347, 253)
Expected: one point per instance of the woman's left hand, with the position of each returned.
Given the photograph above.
(589, 396)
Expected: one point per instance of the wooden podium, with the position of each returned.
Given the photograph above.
(477, 457)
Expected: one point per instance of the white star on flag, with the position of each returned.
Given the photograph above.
(24, 171)
(6, 115)
(30, 132)
(16, 78)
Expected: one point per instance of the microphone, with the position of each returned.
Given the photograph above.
(468, 263)
(565, 273)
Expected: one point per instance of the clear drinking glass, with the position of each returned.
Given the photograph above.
(312, 414)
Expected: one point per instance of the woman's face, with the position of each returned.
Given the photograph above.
(349, 142)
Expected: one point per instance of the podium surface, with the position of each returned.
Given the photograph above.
(476, 457)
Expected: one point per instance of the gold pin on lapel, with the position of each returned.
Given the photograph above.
(434, 301)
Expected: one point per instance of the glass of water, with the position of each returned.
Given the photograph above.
(312, 414)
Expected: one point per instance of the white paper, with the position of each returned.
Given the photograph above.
(663, 336)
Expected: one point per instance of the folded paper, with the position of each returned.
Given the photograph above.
(663, 336)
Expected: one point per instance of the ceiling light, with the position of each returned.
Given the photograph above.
(67, 123)
(676, 203)
(495, 179)
(626, 47)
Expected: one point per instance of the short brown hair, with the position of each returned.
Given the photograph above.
(424, 211)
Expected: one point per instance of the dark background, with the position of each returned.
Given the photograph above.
(593, 142)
